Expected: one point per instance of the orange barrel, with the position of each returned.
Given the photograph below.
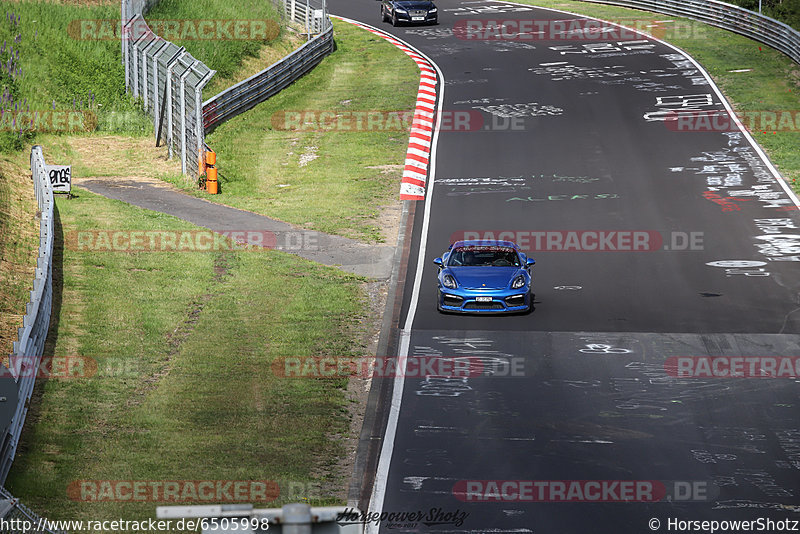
(212, 186)
(211, 158)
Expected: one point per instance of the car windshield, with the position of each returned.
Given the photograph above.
(483, 256)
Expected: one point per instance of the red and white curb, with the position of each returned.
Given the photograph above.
(418, 155)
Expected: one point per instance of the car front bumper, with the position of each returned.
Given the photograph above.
(429, 18)
(465, 300)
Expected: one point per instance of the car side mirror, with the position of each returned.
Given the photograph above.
(439, 262)
(529, 262)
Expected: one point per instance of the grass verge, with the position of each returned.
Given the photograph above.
(772, 84)
(64, 57)
(183, 343)
(56, 67)
(330, 181)
(224, 53)
(19, 246)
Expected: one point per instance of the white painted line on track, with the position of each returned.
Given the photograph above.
(777, 175)
(387, 448)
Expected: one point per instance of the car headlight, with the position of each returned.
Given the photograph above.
(434, 10)
(401, 10)
(518, 282)
(449, 282)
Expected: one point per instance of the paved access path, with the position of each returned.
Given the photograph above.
(374, 261)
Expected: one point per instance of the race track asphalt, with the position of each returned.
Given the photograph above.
(569, 135)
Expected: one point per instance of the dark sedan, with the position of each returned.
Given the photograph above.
(409, 12)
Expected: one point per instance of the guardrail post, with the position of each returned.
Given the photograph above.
(296, 518)
(135, 74)
(198, 105)
(145, 52)
(184, 148)
(169, 103)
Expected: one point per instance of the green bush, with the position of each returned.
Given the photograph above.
(787, 11)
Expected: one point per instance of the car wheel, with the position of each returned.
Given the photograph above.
(395, 22)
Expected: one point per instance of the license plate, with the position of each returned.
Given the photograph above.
(417, 18)
(483, 299)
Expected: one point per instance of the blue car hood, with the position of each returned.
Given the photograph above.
(476, 277)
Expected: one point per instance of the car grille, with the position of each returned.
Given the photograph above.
(452, 300)
(417, 12)
(516, 300)
(484, 306)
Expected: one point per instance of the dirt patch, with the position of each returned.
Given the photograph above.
(389, 221)
(386, 169)
(308, 156)
(389, 215)
(115, 156)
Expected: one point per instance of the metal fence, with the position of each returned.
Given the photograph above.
(311, 14)
(27, 354)
(169, 82)
(259, 87)
(19, 518)
(761, 28)
(294, 518)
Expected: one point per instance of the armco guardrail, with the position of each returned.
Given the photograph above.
(259, 87)
(294, 518)
(763, 29)
(28, 350)
(170, 83)
(256, 89)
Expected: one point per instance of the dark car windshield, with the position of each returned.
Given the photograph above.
(483, 256)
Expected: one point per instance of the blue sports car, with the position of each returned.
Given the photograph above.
(484, 277)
